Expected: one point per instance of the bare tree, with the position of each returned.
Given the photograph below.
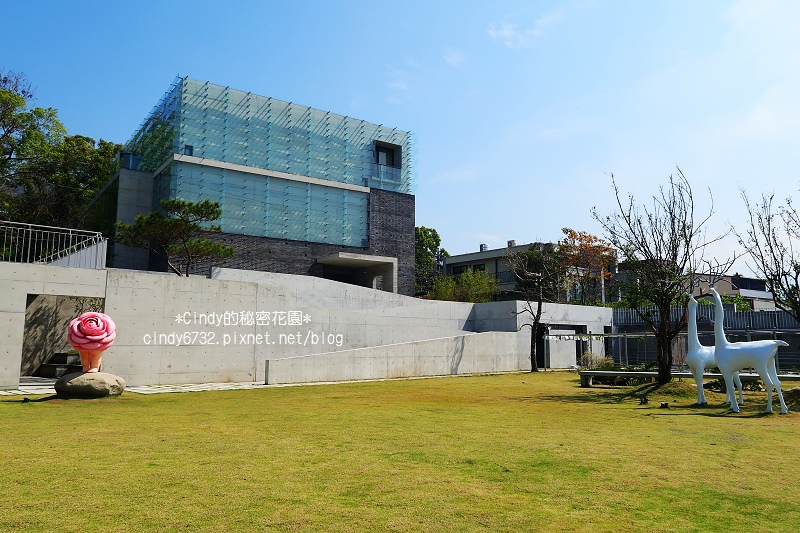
(771, 238)
(661, 246)
(540, 275)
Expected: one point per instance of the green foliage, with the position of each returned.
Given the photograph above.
(59, 180)
(479, 286)
(46, 176)
(444, 288)
(593, 361)
(177, 234)
(738, 302)
(428, 258)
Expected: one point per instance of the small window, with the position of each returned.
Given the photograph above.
(387, 155)
(188, 149)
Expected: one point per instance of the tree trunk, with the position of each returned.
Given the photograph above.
(664, 359)
(535, 330)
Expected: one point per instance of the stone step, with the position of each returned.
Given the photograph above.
(50, 370)
(65, 359)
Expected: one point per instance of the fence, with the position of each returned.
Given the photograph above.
(31, 243)
(633, 349)
(739, 320)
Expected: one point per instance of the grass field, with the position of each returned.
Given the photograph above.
(515, 452)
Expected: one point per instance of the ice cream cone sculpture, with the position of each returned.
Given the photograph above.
(91, 334)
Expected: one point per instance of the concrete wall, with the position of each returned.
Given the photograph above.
(46, 319)
(562, 318)
(163, 335)
(20, 280)
(93, 256)
(134, 197)
(463, 354)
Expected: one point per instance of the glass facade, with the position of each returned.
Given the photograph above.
(210, 121)
(271, 207)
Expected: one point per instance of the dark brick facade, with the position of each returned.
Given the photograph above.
(391, 234)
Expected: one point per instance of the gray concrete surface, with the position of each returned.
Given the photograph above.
(341, 332)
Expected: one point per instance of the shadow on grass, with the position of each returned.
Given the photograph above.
(25, 399)
(680, 395)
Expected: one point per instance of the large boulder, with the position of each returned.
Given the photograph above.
(89, 385)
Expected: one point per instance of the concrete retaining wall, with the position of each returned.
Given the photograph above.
(18, 281)
(379, 334)
(463, 354)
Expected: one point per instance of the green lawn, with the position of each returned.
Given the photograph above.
(516, 452)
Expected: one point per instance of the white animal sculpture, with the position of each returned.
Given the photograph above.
(734, 356)
(700, 357)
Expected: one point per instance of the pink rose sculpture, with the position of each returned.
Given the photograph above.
(90, 334)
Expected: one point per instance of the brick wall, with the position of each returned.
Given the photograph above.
(391, 233)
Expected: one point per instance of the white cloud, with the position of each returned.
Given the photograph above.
(454, 57)
(512, 37)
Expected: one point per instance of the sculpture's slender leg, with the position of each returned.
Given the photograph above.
(698, 378)
(765, 377)
(738, 382)
(94, 358)
(729, 386)
(773, 373)
(85, 360)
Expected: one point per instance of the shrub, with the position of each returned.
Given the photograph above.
(592, 361)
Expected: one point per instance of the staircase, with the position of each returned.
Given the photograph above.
(59, 364)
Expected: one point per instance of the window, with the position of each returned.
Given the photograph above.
(387, 155)
(188, 149)
(475, 268)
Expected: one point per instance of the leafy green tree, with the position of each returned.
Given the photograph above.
(444, 288)
(178, 235)
(46, 176)
(59, 180)
(428, 258)
(476, 287)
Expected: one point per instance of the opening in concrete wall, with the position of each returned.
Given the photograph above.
(45, 350)
(371, 271)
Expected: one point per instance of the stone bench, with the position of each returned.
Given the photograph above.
(587, 375)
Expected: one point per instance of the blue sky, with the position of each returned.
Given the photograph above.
(521, 109)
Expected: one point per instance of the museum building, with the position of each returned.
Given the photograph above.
(302, 191)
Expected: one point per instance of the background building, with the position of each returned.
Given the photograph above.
(490, 260)
(753, 290)
(303, 191)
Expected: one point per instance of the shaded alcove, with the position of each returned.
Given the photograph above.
(46, 319)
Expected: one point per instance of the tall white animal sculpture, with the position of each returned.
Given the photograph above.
(734, 356)
(700, 357)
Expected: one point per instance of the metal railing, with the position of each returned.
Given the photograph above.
(31, 243)
(630, 349)
(740, 320)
